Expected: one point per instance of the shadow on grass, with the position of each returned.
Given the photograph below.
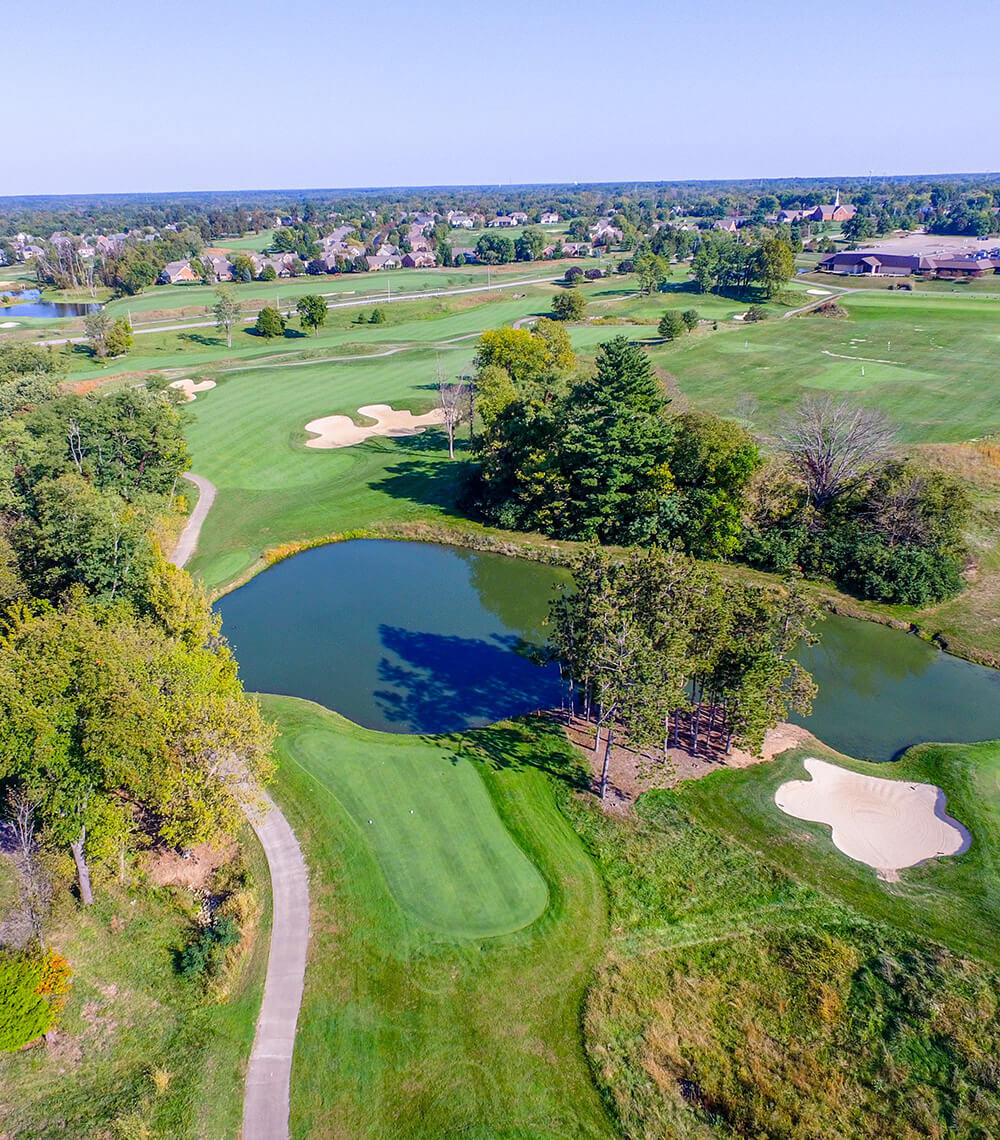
(537, 742)
(201, 338)
(437, 483)
(439, 683)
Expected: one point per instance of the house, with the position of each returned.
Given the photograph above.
(218, 266)
(419, 259)
(790, 217)
(604, 233)
(549, 218)
(519, 218)
(577, 248)
(731, 224)
(464, 253)
(460, 221)
(501, 222)
(176, 272)
(833, 212)
(424, 220)
(383, 261)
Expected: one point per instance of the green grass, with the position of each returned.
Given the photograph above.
(448, 862)
(955, 901)
(407, 1030)
(939, 384)
(736, 1000)
(129, 1015)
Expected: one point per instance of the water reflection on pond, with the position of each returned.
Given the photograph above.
(412, 637)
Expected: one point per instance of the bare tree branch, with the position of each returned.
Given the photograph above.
(833, 445)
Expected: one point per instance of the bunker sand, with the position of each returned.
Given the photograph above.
(888, 824)
(189, 387)
(342, 431)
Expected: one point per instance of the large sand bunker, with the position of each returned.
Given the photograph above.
(888, 824)
(342, 431)
(189, 387)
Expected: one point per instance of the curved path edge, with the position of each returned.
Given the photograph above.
(192, 528)
(268, 1081)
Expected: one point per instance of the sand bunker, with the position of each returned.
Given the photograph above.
(9, 324)
(189, 387)
(819, 292)
(342, 431)
(888, 824)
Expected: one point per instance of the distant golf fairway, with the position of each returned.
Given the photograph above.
(446, 856)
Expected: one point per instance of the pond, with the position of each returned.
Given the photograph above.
(30, 306)
(413, 637)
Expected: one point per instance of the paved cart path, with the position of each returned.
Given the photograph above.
(192, 528)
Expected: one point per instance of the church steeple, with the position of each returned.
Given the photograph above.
(836, 200)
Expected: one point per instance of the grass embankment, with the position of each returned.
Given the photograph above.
(759, 983)
(419, 1019)
(137, 1052)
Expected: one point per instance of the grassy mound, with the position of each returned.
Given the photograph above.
(734, 1000)
(408, 1030)
(955, 901)
(137, 1052)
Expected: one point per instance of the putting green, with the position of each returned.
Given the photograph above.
(447, 858)
(858, 375)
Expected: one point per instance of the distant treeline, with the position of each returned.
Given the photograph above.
(226, 212)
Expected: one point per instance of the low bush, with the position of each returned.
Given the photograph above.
(204, 957)
(32, 994)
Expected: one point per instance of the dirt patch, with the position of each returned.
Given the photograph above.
(632, 773)
(193, 870)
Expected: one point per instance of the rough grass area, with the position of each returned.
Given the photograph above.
(955, 901)
(137, 1053)
(736, 1001)
(407, 1031)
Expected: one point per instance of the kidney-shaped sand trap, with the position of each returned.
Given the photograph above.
(189, 387)
(342, 431)
(887, 824)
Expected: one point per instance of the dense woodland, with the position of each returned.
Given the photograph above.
(123, 724)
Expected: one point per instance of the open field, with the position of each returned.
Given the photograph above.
(131, 1021)
(426, 319)
(927, 360)
(408, 1029)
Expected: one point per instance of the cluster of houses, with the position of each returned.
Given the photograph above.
(835, 211)
(876, 264)
(26, 247)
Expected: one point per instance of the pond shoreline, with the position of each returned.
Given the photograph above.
(554, 553)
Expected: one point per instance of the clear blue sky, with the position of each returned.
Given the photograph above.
(191, 94)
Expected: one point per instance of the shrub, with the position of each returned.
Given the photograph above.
(203, 958)
(32, 994)
(755, 313)
(568, 306)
